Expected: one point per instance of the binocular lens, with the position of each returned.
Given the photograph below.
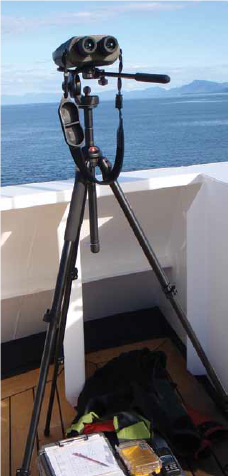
(86, 46)
(108, 45)
(111, 44)
(89, 45)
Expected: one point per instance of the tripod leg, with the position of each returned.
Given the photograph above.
(168, 289)
(60, 338)
(94, 238)
(53, 316)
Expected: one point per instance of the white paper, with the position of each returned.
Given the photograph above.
(65, 463)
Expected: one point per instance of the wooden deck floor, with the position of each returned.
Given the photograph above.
(18, 394)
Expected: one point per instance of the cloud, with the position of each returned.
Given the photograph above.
(150, 6)
(16, 24)
(39, 78)
(136, 6)
(43, 78)
(184, 75)
(11, 24)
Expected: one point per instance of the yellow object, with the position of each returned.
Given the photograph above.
(140, 459)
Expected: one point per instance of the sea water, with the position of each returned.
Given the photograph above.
(167, 132)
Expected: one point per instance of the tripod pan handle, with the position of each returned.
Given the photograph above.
(152, 78)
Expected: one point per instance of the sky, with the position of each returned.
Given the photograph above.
(186, 40)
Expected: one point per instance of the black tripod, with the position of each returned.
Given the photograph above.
(86, 160)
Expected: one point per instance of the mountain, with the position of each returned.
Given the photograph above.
(197, 86)
(154, 91)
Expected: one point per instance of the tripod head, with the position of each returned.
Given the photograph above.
(72, 80)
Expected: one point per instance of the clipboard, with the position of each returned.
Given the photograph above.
(87, 455)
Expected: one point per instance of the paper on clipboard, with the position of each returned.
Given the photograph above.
(71, 459)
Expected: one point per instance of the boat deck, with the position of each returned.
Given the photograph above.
(18, 394)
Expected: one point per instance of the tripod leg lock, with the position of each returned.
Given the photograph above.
(47, 316)
(170, 290)
(74, 274)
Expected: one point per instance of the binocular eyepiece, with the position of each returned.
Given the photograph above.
(82, 51)
(88, 45)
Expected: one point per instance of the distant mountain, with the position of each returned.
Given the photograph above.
(197, 86)
(154, 91)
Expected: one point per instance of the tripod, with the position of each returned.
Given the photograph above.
(56, 317)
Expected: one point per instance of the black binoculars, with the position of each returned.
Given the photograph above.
(80, 51)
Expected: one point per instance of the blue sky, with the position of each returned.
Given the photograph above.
(187, 40)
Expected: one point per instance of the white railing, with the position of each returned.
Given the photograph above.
(183, 213)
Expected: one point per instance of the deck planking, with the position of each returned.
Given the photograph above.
(17, 402)
(21, 410)
(5, 437)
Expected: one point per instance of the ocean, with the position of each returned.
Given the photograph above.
(161, 132)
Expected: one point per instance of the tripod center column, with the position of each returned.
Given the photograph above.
(88, 103)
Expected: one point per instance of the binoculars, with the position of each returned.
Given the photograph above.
(82, 51)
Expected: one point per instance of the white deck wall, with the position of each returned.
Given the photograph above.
(207, 284)
(165, 202)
